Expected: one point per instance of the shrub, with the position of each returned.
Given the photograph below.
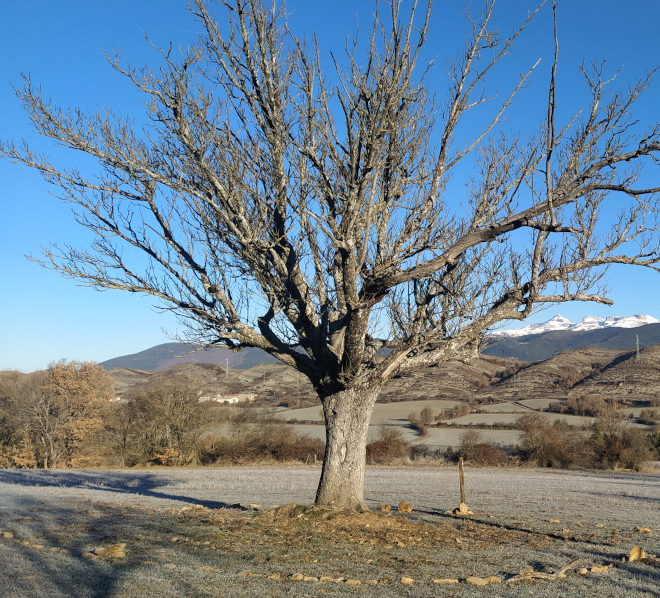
(389, 446)
(266, 440)
(426, 415)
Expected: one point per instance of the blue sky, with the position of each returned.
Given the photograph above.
(44, 317)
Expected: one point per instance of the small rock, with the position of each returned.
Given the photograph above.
(636, 554)
(407, 581)
(353, 582)
(310, 578)
(599, 525)
(89, 555)
(553, 520)
(476, 581)
(445, 580)
(296, 577)
(175, 539)
(7, 535)
(583, 571)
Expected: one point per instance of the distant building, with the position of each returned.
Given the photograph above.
(230, 398)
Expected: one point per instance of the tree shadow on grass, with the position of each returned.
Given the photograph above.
(34, 564)
(129, 483)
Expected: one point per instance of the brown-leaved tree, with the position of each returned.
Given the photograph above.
(307, 212)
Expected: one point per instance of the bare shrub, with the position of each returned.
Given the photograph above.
(552, 445)
(426, 415)
(389, 446)
(261, 441)
(590, 405)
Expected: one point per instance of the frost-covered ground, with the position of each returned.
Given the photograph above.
(594, 517)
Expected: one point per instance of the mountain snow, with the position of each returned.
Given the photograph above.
(588, 323)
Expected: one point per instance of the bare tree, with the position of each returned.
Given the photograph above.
(307, 212)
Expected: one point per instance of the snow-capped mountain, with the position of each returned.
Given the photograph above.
(588, 323)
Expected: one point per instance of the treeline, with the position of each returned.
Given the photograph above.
(68, 416)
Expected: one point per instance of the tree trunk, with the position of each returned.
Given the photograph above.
(347, 414)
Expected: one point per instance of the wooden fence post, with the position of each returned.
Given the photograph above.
(460, 469)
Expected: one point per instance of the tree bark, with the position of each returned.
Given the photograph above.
(347, 414)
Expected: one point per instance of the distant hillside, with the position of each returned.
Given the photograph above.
(166, 355)
(538, 347)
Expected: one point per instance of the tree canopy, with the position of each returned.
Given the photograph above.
(277, 204)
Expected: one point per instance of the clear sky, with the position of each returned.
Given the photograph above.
(44, 317)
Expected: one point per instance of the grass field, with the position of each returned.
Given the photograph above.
(184, 538)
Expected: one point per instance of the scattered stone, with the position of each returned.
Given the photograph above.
(353, 582)
(169, 566)
(583, 571)
(7, 535)
(310, 578)
(445, 580)
(641, 530)
(405, 507)
(407, 581)
(553, 520)
(385, 508)
(463, 509)
(296, 577)
(113, 551)
(476, 581)
(599, 525)
(89, 555)
(636, 554)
